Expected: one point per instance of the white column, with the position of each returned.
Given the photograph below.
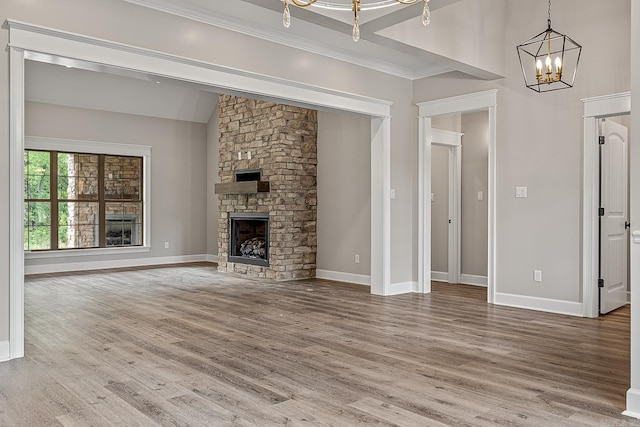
(380, 205)
(633, 394)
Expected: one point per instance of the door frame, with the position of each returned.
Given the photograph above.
(595, 109)
(453, 142)
(29, 41)
(477, 101)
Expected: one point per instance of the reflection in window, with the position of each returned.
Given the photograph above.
(77, 200)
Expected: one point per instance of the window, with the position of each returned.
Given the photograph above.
(76, 200)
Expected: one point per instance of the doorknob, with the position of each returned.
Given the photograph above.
(627, 225)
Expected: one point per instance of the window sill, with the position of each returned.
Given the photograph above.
(86, 252)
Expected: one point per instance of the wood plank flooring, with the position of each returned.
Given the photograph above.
(186, 345)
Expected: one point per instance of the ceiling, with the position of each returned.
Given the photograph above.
(331, 30)
(393, 41)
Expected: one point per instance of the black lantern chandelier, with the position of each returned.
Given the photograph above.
(549, 60)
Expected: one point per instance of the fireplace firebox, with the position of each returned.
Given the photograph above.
(249, 238)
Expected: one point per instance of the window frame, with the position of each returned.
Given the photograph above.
(100, 148)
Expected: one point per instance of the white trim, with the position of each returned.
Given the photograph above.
(16, 201)
(456, 104)
(446, 137)
(402, 288)
(381, 198)
(5, 351)
(37, 40)
(486, 100)
(424, 206)
(80, 146)
(471, 279)
(594, 108)
(107, 264)
(212, 258)
(633, 401)
(607, 105)
(541, 304)
(73, 253)
(339, 276)
(110, 148)
(440, 276)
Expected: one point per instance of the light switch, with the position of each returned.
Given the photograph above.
(433, 197)
(480, 195)
(521, 192)
(393, 193)
(249, 155)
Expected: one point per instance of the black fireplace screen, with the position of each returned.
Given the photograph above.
(249, 238)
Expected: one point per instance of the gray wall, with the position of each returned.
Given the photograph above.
(539, 144)
(344, 192)
(178, 170)
(474, 221)
(440, 208)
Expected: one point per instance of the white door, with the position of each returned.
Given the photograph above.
(613, 220)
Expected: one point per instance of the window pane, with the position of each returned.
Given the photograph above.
(37, 237)
(78, 224)
(37, 213)
(123, 224)
(36, 175)
(122, 177)
(77, 176)
(37, 225)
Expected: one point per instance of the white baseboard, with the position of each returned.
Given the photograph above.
(465, 279)
(540, 304)
(212, 258)
(119, 263)
(633, 403)
(359, 279)
(439, 276)
(471, 279)
(5, 351)
(402, 288)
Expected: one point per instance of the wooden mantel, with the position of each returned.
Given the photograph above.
(243, 187)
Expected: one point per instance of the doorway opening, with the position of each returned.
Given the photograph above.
(596, 109)
(430, 113)
(459, 172)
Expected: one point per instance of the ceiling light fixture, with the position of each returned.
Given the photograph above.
(356, 6)
(541, 72)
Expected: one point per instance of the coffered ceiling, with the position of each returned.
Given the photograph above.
(390, 37)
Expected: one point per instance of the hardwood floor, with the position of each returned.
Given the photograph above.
(186, 345)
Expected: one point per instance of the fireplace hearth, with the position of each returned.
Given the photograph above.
(249, 238)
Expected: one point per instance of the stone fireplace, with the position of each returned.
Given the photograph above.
(267, 192)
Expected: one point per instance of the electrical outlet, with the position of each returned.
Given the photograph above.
(521, 192)
(357, 259)
(393, 193)
(166, 245)
(537, 275)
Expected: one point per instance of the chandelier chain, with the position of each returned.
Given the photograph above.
(549, 15)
